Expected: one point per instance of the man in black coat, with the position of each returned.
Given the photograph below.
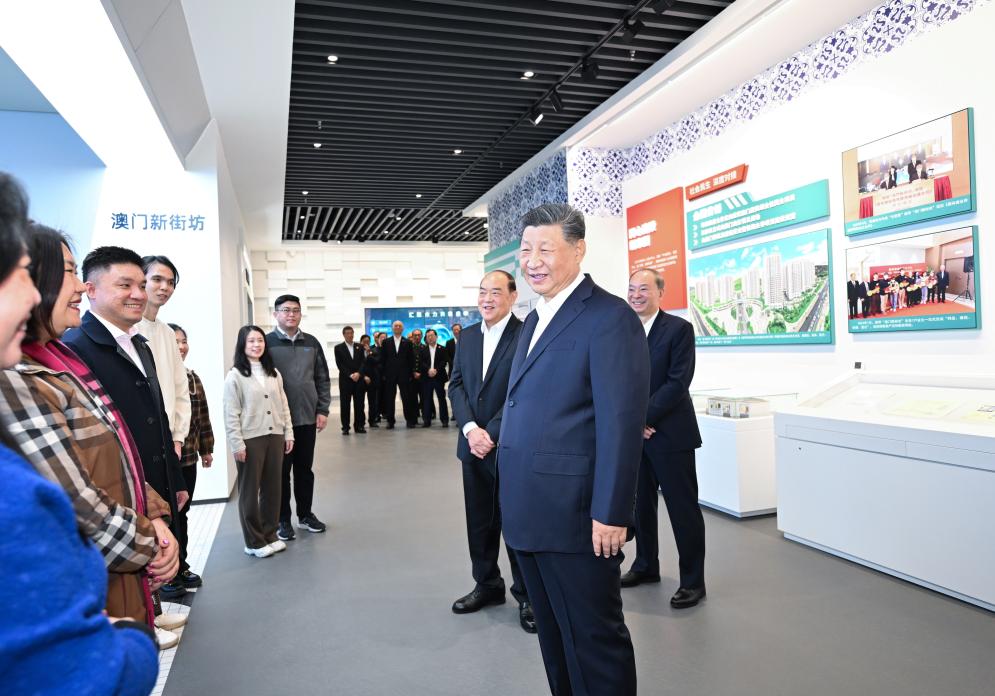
(942, 283)
(434, 361)
(852, 295)
(108, 342)
(452, 343)
(398, 365)
(481, 367)
(349, 359)
(671, 437)
(371, 376)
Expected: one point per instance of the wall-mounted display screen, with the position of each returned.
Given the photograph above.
(768, 293)
(439, 318)
(922, 282)
(923, 173)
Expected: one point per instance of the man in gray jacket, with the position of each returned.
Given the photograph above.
(301, 361)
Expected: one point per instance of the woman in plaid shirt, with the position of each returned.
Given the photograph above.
(199, 443)
(68, 428)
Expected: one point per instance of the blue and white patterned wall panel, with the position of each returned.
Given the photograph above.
(547, 183)
(596, 174)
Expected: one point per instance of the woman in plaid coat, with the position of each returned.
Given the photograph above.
(69, 430)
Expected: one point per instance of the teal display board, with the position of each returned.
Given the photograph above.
(740, 216)
(924, 304)
(923, 173)
(774, 292)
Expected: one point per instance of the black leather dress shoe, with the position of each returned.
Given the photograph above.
(634, 577)
(361, 431)
(526, 618)
(390, 426)
(478, 599)
(687, 597)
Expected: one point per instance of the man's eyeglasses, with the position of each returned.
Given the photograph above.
(287, 310)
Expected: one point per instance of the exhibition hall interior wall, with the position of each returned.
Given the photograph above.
(337, 282)
(799, 141)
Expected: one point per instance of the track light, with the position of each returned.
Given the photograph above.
(589, 70)
(555, 101)
(661, 6)
(536, 116)
(632, 28)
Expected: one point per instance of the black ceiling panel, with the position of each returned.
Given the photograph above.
(417, 79)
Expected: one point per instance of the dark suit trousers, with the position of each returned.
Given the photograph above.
(351, 398)
(852, 306)
(373, 390)
(483, 529)
(299, 461)
(577, 601)
(675, 475)
(388, 400)
(190, 477)
(433, 386)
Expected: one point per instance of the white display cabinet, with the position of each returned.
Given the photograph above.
(735, 464)
(897, 472)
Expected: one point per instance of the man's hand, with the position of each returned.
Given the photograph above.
(239, 456)
(288, 446)
(432, 372)
(608, 540)
(166, 563)
(648, 432)
(321, 421)
(366, 379)
(480, 442)
(177, 447)
(354, 376)
(207, 460)
(417, 375)
(182, 498)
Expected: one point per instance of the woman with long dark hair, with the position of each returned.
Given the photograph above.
(54, 636)
(260, 432)
(72, 434)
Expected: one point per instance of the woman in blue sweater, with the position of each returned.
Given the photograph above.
(54, 637)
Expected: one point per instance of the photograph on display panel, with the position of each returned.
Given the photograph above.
(918, 283)
(923, 173)
(769, 293)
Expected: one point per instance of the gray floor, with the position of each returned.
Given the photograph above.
(364, 608)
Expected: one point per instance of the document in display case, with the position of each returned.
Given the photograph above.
(895, 471)
(735, 463)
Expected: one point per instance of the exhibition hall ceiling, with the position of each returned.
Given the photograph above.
(403, 112)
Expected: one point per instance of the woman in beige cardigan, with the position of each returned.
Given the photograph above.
(259, 431)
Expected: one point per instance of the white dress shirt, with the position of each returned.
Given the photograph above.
(492, 337)
(297, 334)
(172, 373)
(431, 357)
(351, 355)
(124, 340)
(547, 309)
(397, 343)
(648, 324)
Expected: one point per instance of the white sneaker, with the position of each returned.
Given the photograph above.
(171, 621)
(278, 546)
(261, 552)
(166, 639)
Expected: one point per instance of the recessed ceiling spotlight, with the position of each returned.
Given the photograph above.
(386, 231)
(485, 225)
(467, 232)
(457, 151)
(338, 241)
(303, 193)
(302, 217)
(527, 75)
(317, 145)
(398, 217)
(333, 59)
(417, 195)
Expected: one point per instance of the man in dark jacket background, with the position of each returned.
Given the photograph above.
(301, 361)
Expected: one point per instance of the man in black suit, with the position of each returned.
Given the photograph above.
(671, 437)
(371, 376)
(942, 283)
(852, 295)
(865, 299)
(349, 359)
(109, 343)
(434, 361)
(416, 370)
(912, 169)
(451, 345)
(398, 366)
(477, 389)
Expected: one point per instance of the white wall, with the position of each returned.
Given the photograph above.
(337, 282)
(802, 142)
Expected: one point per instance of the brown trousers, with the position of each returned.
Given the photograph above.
(259, 489)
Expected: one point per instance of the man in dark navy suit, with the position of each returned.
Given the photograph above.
(397, 356)
(477, 388)
(671, 437)
(568, 458)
